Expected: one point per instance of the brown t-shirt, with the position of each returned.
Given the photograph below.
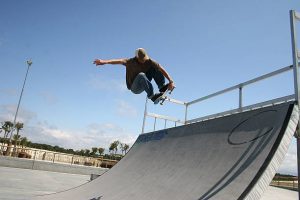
(133, 68)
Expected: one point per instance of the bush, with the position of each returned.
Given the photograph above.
(24, 155)
(88, 163)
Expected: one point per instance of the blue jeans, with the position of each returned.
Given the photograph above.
(142, 82)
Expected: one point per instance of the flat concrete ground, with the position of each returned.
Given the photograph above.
(16, 184)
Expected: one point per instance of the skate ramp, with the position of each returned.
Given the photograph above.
(227, 158)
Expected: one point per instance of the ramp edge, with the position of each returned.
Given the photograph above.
(263, 182)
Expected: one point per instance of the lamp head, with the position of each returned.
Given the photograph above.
(29, 62)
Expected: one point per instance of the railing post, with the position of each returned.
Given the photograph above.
(34, 154)
(186, 112)
(33, 159)
(240, 97)
(154, 123)
(298, 162)
(295, 54)
(145, 115)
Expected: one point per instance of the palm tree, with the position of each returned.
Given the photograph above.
(16, 139)
(23, 141)
(87, 152)
(94, 151)
(101, 151)
(7, 127)
(122, 145)
(126, 147)
(115, 145)
(81, 152)
(111, 149)
(19, 126)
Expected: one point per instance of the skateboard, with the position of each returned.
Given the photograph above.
(165, 96)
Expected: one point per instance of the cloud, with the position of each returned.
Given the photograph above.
(7, 113)
(47, 134)
(94, 135)
(289, 165)
(39, 131)
(125, 109)
(105, 134)
(99, 82)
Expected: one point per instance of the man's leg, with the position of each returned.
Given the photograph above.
(158, 77)
(140, 84)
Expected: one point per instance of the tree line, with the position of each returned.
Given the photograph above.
(8, 128)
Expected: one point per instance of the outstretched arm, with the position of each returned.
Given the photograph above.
(166, 74)
(112, 61)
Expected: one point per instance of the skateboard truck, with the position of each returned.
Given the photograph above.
(164, 96)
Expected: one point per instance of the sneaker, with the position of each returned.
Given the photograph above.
(156, 98)
(164, 88)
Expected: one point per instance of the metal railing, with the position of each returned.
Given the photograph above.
(240, 87)
(166, 118)
(240, 108)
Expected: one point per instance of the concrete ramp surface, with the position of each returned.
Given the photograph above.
(227, 158)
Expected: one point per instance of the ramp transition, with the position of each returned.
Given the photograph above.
(233, 157)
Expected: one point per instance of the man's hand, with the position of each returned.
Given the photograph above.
(171, 86)
(99, 62)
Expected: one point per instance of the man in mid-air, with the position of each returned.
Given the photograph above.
(140, 70)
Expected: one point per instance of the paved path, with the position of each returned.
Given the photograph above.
(274, 193)
(16, 184)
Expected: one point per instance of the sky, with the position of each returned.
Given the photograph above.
(205, 46)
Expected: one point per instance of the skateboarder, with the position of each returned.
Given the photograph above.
(140, 70)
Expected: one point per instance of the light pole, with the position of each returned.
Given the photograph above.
(29, 63)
